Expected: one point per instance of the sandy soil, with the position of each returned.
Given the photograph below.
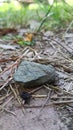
(31, 120)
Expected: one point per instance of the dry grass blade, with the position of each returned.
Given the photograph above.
(52, 97)
(45, 86)
(4, 97)
(50, 104)
(35, 90)
(65, 68)
(47, 99)
(24, 54)
(39, 96)
(15, 94)
(6, 83)
(61, 45)
(59, 89)
(62, 97)
(8, 111)
(2, 106)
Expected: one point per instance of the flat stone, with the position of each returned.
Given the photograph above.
(34, 74)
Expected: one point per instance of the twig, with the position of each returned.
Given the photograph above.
(49, 94)
(45, 86)
(62, 97)
(62, 102)
(61, 45)
(6, 83)
(2, 106)
(15, 94)
(4, 97)
(16, 62)
(52, 97)
(9, 59)
(8, 111)
(35, 90)
(49, 104)
(39, 96)
(57, 88)
(24, 52)
(66, 69)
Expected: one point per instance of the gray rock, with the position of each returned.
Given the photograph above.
(34, 74)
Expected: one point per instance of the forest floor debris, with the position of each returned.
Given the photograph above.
(54, 49)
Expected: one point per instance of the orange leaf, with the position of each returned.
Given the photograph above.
(28, 37)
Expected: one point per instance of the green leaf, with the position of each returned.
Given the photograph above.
(26, 43)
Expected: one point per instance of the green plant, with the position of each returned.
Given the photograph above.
(12, 16)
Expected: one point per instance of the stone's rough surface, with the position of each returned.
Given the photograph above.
(34, 74)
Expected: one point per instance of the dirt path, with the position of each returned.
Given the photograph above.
(48, 120)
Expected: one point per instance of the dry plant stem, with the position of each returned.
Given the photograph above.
(17, 91)
(49, 104)
(8, 111)
(56, 64)
(62, 97)
(61, 45)
(45, 86)
(6, 83)
(67, 69)
(33, 50)
(48, 98)
(2, 106)
(35, 90)
(24, 52)
(39, 96)
(67, 58)
(15, 94)
(52, 97)
(15, 63)
(10, 67)
(4, 97)
(9, 59)
(57, 88)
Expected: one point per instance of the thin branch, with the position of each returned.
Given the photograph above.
(6, 83)
(49, 104)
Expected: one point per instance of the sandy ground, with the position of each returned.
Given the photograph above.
(30, 120)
